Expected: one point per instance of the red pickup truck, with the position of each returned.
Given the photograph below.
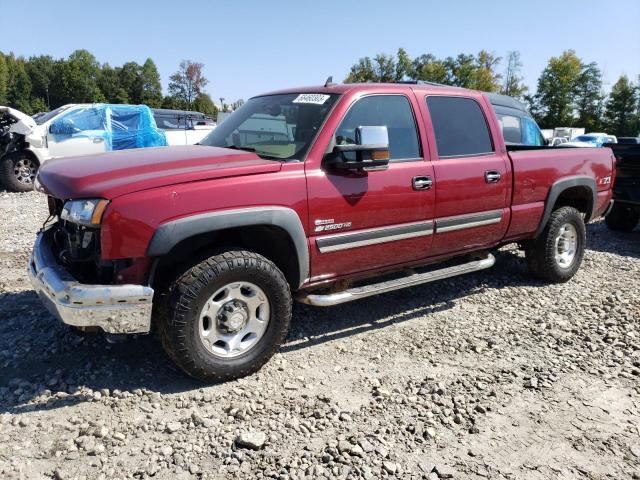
(326, 194)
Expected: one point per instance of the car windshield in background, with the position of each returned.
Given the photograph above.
(278, 127)
(586, 138)
(45, 117)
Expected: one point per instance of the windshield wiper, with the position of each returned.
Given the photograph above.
(253, 150)
(246, 149)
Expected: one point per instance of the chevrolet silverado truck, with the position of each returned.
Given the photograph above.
(625, 214)
(326, 194)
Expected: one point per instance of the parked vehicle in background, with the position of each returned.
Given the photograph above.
(591, 140)
(319, 194)
(518, 126)
(629, 140)
(556, 141)
(547, 134)
(625, 214)
(183, 127)
(77, 129)
(568, 132)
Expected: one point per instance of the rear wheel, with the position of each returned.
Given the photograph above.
(623, 217)
(226, 316)
(557, 253)
(18, 171)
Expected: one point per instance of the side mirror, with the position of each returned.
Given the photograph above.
(369, 153)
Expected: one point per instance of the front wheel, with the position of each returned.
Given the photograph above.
(557, 253)
(18, 171)
(226, 316)
(622, 217)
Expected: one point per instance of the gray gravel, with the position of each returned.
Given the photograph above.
(492, 375)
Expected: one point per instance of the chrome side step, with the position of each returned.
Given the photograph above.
(357, 293)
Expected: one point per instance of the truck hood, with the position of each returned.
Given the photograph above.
(110, 175)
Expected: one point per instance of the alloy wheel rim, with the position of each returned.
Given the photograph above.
(25, 171)
(566, 245)
(234, 319)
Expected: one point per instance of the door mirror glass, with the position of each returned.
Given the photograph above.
(369, 152)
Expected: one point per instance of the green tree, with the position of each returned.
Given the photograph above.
(486, 77)
(130, 80)
(513, 84)
(588, 98)
(109, 84)
(172, 103)
(461, 71)
(428, 68)
(4, 80)
(204, 104)
(19, 85)
(41, 70)
(621, 109)
(151, 86)
(556, 88)
(363, 71)
(188, 82)
(404, 66)
(80, 77)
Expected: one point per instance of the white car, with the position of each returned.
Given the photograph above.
(183, 127)
(591, 140)
(84, 129)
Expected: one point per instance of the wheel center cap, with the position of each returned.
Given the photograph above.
(236, 321)
(233, 317)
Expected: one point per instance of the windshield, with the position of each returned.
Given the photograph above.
(279, 127)
(45, 117)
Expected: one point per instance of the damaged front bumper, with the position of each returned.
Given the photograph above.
(113, 308)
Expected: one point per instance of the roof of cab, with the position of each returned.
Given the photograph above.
(342, 88)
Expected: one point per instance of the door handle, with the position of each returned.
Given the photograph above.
(422, 183)
(97, 139)
(492, 176)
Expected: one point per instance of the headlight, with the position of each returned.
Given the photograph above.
(86, 212)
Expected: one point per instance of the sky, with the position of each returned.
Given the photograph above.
(251, 47)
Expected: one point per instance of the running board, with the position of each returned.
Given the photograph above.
(357, 293)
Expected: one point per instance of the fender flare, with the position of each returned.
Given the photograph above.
(556, 190)
(171, 233)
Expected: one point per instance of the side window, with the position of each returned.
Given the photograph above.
(511, 129)
(80, 120)
(392, 111)
(459, 126)
(531, 133)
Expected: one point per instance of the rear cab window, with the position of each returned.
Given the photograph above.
(460, 127)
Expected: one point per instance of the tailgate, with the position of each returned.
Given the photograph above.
(627, 180)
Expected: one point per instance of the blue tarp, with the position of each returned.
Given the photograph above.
(120, 126)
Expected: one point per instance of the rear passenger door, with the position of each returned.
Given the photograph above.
(473, 180)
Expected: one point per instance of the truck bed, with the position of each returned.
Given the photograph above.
(536, 169)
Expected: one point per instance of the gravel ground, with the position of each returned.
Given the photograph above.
(491, 375)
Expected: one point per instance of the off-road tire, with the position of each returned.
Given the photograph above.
(622, 217)
(178, 315)
(540, 253)
(7, 173)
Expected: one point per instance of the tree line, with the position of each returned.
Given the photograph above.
(569, 91)
(42, 83)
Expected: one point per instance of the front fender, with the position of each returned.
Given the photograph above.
(171, 233)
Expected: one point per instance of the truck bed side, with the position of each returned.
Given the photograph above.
(542, 175)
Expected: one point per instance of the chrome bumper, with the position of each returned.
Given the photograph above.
(113, 308)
